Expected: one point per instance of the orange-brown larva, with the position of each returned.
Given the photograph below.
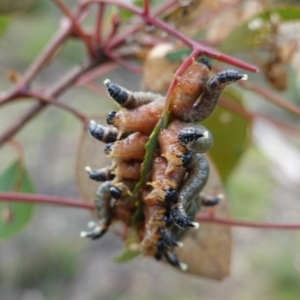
(188, 88)
(132, 147)
(169, 197)
(143, 119)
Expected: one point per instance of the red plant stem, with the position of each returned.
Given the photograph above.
(98, 26)
(164, 6)
(61, 201)
(201, 48)
(248, 224)
(55, 90)
(123, 63)
(240, 110)
(148, 19)
(295, 109)
(146, 8)
(187, 62)
(95, 88)
(96, 73)
(116, 40)
(45, 199)
(120, 3)
(76, 27)
(48, 100)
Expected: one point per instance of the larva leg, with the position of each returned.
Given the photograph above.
(197, 177)
(170, 256)
(103, 174)
(142, 119)
(128, 99)
(102, 133)
(121, 189)
(128, 169)
(132, 147)
(211, 200)
(104, 212)
(172, 259)
(211, 94)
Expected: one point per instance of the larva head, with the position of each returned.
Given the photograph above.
(197, 139)
(225, 78)
(205, 62)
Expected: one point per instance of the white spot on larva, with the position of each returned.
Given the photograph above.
(206, 134)
(183, 266)
(180, 244)
(91, 224)
(106, 81)
(88, 169)
(196, 225)
(83, 234)
(245, 77)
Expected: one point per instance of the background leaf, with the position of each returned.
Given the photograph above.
(243, 38)
(13, 215)
(230, 132)
(12, 6)
(4, 21)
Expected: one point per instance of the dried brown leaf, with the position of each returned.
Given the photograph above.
(157, 70)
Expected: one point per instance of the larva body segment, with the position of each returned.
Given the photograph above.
(188, 89)
(169, 147)
(132, 147)
(193, 184)
(128, 169)
(104, 212)
(142, 119)
(154, 214)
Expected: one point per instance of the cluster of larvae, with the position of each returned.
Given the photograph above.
(170, 198)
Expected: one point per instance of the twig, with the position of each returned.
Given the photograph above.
(96, 72)
(45, 199)
(78, 114)
(271, 97)
(76, 27)
(248, 224)
(240, 110)
(53, 91)
(148, 19)
(62, 201)
(97, 37)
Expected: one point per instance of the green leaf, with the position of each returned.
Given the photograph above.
(243, 38)
(125, 15)
(13, 6)
(230, 132)
(4, 21)
(126, 255)
(178, 55)
(13, 215)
